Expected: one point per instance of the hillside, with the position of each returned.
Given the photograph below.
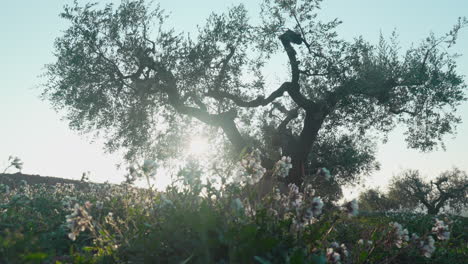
(14, 179)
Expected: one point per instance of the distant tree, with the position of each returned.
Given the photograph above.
(376, 200)
(450, 188)
(14, 162)
(122, 71)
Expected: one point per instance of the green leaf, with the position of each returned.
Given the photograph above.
(187, 260)
(261, 260)
(36, 256)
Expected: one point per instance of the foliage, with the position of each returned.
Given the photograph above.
(450, 188)
(122, 71)
(14, 162)
(376, 200)
(409, 190)
(203, 223)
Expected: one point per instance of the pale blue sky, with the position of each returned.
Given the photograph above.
(35, 133)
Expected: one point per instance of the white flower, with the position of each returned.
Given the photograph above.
(250, 169)
(332, 256)
(295, 197)
(428, 248)
(362, 242)
(78, 220)
(352, 208)
(441, 230)
(282, 167)
(401, 235)
(317, 205)
(99, 205)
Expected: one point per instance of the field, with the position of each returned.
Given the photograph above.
(58, 222)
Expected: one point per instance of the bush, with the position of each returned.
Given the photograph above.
(204, 223)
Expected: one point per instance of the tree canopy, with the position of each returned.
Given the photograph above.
(408, 190)
(123, 71)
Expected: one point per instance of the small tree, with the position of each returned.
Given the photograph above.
(14, 162)
(450, 188)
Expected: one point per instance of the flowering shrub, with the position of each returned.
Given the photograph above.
(250, 169)
(104, 223)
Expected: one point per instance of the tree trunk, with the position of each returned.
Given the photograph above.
(297, 173)
(432, 210)
(300, 147)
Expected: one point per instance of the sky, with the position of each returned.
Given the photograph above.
(31, 130)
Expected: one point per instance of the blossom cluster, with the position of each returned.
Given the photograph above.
(400, 235)
(282, 167)
(79, 220)
(427, 247)
(441, 230)
(351, 208)
(336, 253)
(302, 207)
(363, 242)
(250, 169)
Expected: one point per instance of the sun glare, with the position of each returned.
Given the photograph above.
(198, 146)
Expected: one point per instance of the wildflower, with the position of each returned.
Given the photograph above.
(78, 220)
(362, 242)
(99, 205)
(401, 235)
(336, 253)
(351, 208)
(282, 167)
(427, 247)
(276, 194)
(272, 212)
(332, 256)
(295, 197)
(441, 230)
(250, 169)
(317, 205)
(309, 190)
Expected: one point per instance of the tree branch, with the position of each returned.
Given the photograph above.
(291, 115)
(225, 120)
(259, 101)
(286, 39)
(224, 66)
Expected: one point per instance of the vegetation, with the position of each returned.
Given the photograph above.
(409, 190)
(123, 72)
(270, 198)
(201, 223)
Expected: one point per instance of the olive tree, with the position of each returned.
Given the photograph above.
(123, 72)
(450, 189)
